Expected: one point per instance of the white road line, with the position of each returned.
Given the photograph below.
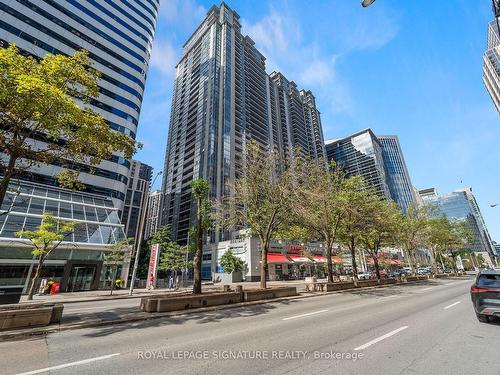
(300, 316)
(77, 363)
(387, 335)
(453, 304)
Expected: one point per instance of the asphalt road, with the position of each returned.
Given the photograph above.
(427, 328)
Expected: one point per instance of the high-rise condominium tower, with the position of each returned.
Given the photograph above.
(118, 36)
(223, 98)
(491, 67)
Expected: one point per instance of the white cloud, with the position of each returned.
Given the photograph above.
(164, 58)
(185, 13)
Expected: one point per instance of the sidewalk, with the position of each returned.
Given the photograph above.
(100, 295)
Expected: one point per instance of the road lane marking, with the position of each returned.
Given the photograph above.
(453, 304)
(303, 315)
(426, 289)
(378, 339)
(77, 363)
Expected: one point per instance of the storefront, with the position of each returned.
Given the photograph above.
(77, 263)
(278, 266)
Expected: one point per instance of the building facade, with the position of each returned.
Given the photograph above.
(398, 178)
(361, 154)
(153, 214)
(223, 98)
(461, 205)
(379, 161)
(139, 178)
(118, 36)
(78, 263)
(491, 66)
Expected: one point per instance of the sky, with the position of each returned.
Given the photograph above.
(409, 68)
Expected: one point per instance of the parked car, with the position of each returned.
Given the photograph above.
(383, 275)
(423, 270)
(485, 295)
(363, 275)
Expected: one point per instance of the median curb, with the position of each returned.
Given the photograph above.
(40, 331)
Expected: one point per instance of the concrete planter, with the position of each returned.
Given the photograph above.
(30, 315)
(260, 294)
(189, 301)
(365, 283)
(332, 287)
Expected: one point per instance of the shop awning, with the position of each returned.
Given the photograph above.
(277, 258)
(319, 258)
(299, 258)
(337, 259)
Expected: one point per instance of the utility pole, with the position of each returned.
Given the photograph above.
(139, 238)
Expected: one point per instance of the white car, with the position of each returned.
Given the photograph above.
(363, 275)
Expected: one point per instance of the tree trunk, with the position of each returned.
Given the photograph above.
(7, 175)
(113, 277)
(263, 263)
(198, 253)
(442, 262)
(352, 247)
(35, 279)
(377, 269)
(329, 266)
(433, 261)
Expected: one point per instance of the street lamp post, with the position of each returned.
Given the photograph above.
(139, 238)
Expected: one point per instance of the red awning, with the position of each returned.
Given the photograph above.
(337, 259)
(319, 258)
(277, 258)
(299, 258)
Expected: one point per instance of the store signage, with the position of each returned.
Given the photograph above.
(295, 249)
(153, 266)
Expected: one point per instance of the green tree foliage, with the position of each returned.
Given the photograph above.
(383, 221)
(231, 263)
(49, 235)
(260, 200)
(117, 255)
(48, 99)
(354, 223)
(200, 191)
(412, 231)
(173, 258)
(321, 202)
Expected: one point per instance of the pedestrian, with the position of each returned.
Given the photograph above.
(170, 282)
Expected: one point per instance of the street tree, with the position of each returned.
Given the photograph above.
(321, 202)
(45, 116)
(383, 221)
(412, 232)
(173, 258)
(115, 256)
(43, 241)
(353, 226)
(231, 263)
(200, 189)
(259, 200)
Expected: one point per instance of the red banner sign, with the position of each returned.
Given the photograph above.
(153, 263)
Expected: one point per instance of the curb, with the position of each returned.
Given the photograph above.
(99, 323)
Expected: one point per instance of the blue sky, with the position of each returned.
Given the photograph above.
(410, 68)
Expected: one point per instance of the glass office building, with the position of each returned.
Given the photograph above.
(78, 262)
(360, 154)
(462, 205)
(118, 36)
(398, 178)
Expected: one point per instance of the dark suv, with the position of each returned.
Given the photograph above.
(485, 295)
